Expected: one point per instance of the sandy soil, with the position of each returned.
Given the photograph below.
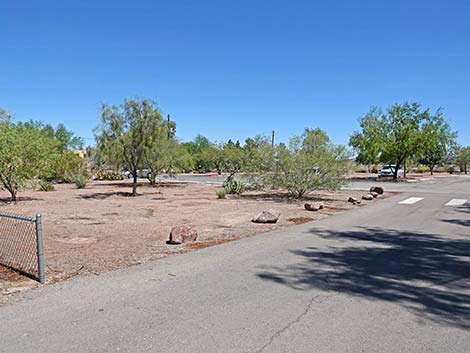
(102, 228)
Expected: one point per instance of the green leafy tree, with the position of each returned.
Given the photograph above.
(179, 158)
(213, 155)
(397, 135)
(67, 139)
(258, 155)
(24, 153)
(402, 133)
(167, 154)
(199, 151)
(463, 158)
(232, 154)
(64, 166)
(367, 143)
(126, 133)
(155, 156)
(437, 141)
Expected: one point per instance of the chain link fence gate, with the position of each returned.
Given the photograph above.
(21, 246)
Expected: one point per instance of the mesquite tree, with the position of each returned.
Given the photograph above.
(126, 133)
(463, 158)
(404, 131)
(25, 153)
(437, 141)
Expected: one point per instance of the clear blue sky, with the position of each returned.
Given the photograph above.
(233, 69)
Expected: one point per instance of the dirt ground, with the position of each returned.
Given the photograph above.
(101, 228)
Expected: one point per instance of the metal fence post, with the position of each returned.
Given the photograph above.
(40, 249)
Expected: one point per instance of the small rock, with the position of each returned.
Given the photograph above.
(314, 207)
(267, 216)
(182, 234)
(367, 197)
(378, 189)
(354, 201)
(374, 194)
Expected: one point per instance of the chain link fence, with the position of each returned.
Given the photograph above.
(21, 246)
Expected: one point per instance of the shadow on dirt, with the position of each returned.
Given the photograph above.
(7, 200)
(283, 197)
(140, 184)
(105, 195)
(425, 273)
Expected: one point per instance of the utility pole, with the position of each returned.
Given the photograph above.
(168, 126)
(272, 139)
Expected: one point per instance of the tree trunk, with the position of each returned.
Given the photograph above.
(397, 168)
(134, 183)
(431, 169)
(153, 178)
(13, 195)
(395, 172)
(465, 167)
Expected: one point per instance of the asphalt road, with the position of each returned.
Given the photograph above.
(393, 277)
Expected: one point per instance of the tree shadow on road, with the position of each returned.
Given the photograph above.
(462, 222)
(427, 274)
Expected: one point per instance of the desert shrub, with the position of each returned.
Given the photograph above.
(45, 185)
(221, 194)
(80, 181)
(374, 169)
(422, 169)
(310, 162)
(234, 187)
(109, 175)
(64, 166)
(450, 169)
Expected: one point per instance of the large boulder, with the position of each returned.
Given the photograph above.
(367, 197)
(313, 207)
(374, 194)
(378, 189)
(266, 216)
(182, 234)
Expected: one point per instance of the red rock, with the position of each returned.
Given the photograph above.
(314, 207)
(267, 216)
(182, 234)
(378, 189)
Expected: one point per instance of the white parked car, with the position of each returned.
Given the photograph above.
(141, 173)
(388, 170)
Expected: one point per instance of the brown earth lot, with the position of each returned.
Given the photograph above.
(102, 228)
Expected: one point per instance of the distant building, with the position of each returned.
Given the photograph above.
(80, 153)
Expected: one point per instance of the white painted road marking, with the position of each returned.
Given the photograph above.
(456, 202)
(410, 201)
